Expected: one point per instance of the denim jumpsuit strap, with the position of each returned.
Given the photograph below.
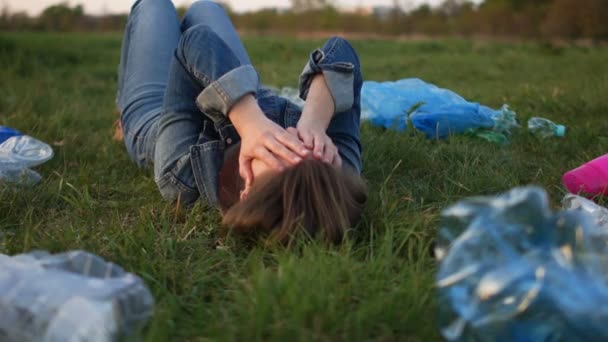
(177, 85)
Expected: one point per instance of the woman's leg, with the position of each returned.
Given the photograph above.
(151, 36)
(214, 16)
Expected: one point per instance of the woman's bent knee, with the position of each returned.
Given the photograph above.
(154, 4)
(200, 11)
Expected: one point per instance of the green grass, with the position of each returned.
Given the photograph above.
(379, 286)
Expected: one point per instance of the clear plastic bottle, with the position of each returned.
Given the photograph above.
(545, 128)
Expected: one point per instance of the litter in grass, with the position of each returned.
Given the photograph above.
(73, 296)
(597, 212)
(589, 179)
(435, 111)
(512, 270)
(19, 153)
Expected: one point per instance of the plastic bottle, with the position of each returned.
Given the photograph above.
(513, 270)
(74, 296)
(590, 179)
(597, 212)
(545, 128)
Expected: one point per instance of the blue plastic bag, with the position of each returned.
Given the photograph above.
(7, 132)
(512, 270)
(435, 111)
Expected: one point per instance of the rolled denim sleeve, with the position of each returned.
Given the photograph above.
(222, 75)
(222, 94)
(336, 61)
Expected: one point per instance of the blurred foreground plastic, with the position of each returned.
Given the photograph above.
(74, 296)
(18, 153)
(590, 179)
(512, 270)
(597, 212)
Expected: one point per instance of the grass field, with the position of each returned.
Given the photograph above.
(379, 286)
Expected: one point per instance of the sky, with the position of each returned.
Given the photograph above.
(34, 7)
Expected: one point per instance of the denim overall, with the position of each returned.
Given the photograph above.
(177, 83)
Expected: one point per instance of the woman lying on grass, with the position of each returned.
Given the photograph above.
(192, 106)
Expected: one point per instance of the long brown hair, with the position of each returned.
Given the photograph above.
(312, 198)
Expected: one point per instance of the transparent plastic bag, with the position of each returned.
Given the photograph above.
(18, 154)
(597, 212)
(512, 270)
(73, 296)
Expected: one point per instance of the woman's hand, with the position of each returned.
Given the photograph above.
(263, 139)
(314, 138)
(316, 116)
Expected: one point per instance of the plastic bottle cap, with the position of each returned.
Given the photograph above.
(560, 130)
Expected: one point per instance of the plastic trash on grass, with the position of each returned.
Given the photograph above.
(73, 296)
(435, 111)
(19, 153)
(512, 270)
(545, 128)
(597, 212)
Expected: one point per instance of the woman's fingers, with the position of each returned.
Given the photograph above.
(268, 158)
(319, 148)
(280, 150)
(293, 131)
(330, 153)
(292, 142)
(307, 138)
(245, 170)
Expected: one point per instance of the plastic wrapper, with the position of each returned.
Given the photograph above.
(74, 296)
(513, 270)
(598, 213)
(18, 154)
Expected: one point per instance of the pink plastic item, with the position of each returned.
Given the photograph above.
(590, 179)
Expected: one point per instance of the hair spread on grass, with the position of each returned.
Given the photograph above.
(312, 197)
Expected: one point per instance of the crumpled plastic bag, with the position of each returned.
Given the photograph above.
(73, 296)
(598, 213)
(513, 270)
(435, 111)
(18, 154)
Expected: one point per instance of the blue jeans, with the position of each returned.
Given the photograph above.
(177, 84)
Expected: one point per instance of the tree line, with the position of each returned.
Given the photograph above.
(537, 19)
